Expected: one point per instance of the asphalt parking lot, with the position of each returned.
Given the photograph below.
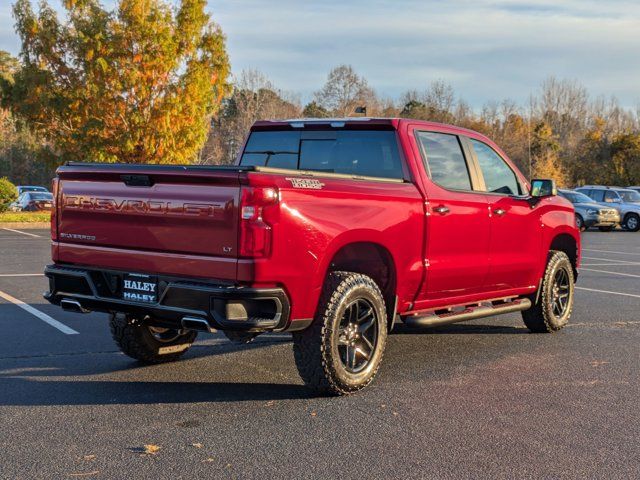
(475, 400)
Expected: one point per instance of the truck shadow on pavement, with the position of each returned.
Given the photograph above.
(36, 392)
(60, 379)
(220, 372)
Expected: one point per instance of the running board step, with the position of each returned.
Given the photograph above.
(485, 309)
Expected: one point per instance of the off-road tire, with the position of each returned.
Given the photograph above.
(607, 228)
(134, 339)
(631, 216)
(315, 349)
(540, 318)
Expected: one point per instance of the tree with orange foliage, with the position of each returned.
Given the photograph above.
(138, 84)
(544, 156)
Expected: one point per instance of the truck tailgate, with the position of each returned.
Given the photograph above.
(168, 210)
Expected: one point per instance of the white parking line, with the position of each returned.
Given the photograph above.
(609, 251)
(612, 273)
(42, 316)
(21, 274)
(629, 264)
(23, 233)
(607, 291)
(621, 262)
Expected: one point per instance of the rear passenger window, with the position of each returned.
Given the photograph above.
(498, 176)
(585, 192)
(368, 153)
(444, 159)
(610, 197)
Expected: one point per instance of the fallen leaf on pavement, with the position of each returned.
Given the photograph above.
(197, 445)
(151, 449)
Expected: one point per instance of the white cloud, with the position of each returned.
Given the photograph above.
(487, 49)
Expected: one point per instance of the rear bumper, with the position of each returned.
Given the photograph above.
(223, 306)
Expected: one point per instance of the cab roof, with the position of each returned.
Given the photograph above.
(359, 122)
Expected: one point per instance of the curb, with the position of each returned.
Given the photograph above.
(25, 225)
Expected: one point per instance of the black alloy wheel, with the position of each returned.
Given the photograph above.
(560, 292)
(357, 335)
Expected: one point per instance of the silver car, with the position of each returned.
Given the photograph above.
(32, 202)
(30, 188)
(590, 214)
(625, 200)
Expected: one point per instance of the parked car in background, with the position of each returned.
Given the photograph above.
(636, 188)
(14, 206)
(30, 188)
(32, 202)
(590, 214)
(625, 200)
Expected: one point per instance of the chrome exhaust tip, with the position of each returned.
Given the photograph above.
(197, 323)
(72, 306)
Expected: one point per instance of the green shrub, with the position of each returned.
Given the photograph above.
(24, 217)
(8, 193)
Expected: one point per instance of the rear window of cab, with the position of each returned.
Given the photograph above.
(367, 153)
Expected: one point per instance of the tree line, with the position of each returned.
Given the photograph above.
(561, 133)
(150, 82)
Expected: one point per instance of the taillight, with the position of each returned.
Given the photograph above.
(255, 226)
(54, 210)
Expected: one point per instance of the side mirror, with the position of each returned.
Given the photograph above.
(543, 187)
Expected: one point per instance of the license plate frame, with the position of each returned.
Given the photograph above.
(140, 288)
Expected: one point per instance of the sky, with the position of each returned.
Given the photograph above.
(486, 49)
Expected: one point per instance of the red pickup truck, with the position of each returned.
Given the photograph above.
(330, 229)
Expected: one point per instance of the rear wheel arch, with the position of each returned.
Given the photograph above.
(373, 260)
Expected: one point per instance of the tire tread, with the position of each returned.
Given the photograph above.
(537, 318)
(311, 346)
(128, 334)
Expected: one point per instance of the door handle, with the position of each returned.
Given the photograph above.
(500, 211)
(441, 209)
